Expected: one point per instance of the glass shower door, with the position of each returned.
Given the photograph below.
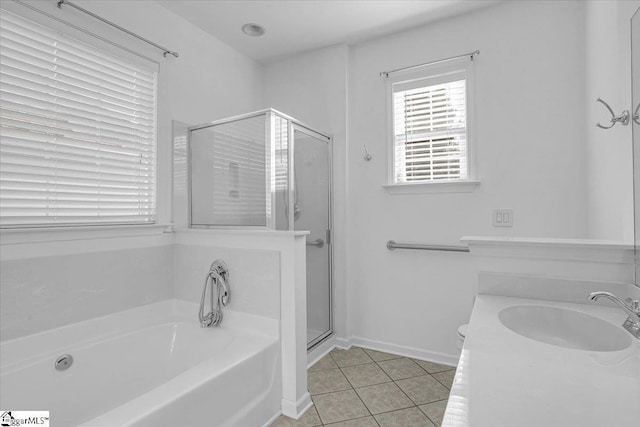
(311, 209)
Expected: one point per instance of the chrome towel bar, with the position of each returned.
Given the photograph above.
(391, 245)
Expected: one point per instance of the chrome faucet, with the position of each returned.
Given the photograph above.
(217, 281)
(631, 307)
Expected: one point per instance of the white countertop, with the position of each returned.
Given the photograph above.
(507, 380)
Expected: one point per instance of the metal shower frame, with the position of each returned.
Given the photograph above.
(292, 126)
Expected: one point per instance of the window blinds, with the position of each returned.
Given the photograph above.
(77, 132)
(430, 136)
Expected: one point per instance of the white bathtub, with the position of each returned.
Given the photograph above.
(150, 366)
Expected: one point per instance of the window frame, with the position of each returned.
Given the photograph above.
(15, 234)
(434, 73)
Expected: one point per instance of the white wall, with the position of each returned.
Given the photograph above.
(530, 153)
(255, 258)
(209, 80)
(531, 158)
(51, 291)
(609, 152)
(312, 87)
(254, 280)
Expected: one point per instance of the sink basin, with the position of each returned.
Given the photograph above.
(564, 328)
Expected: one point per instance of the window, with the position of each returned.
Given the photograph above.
(430, 128)
(77, 131)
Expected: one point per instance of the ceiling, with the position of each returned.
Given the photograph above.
(295, 26)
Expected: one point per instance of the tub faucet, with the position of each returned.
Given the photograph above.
(217, 281)
(631, 307)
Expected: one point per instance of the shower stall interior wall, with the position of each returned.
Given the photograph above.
(266, 170)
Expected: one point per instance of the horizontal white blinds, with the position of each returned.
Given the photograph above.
(77, 131)
(430, 136)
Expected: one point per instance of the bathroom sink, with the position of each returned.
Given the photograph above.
(565, 328)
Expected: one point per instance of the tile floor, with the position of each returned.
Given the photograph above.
(366, 388)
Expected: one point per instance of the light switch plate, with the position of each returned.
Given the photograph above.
(503, 218)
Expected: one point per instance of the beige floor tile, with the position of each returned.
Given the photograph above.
(445, 378)
(411, 417)
(339, 406)
(309, 419)
(323, 364)
(432, 368)
(327, 381)
(359, 422)
(353, 356)
(383, 398)
(392, 403)
(435, 411)
(364, 375)
(424, 389)
(379, 356)
(398, 369)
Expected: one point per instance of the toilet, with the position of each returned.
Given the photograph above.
(462, 333)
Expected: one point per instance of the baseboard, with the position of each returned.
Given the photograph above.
(297, 409)
(325, 348)
(414, 353)
(343, 343)
(272, 419)
(320, 351)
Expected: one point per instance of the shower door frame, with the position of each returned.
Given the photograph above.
(294, 126)
(268, 221)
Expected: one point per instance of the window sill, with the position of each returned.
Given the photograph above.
(14, 236)
(432, 187)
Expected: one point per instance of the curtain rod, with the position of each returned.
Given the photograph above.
(82, 30)
(81, 9)
(471, 56)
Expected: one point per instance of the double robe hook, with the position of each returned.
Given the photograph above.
(622, 117)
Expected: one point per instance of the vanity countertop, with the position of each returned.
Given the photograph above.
(507, 380)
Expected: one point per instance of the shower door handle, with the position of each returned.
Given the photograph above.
(318, 243)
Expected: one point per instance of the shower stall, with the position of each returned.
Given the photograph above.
(266, 170)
